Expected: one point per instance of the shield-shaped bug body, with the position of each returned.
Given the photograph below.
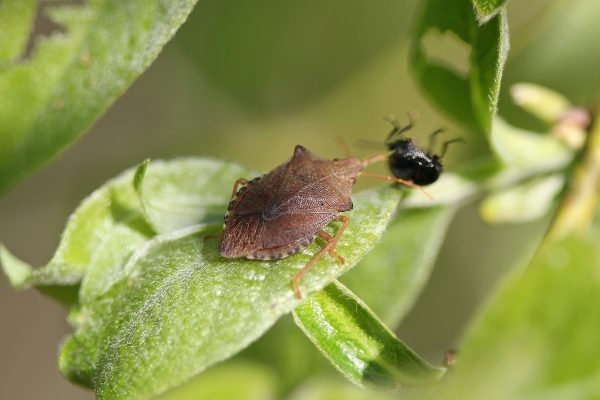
(283, 211)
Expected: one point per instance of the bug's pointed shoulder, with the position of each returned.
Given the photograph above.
(301, 152)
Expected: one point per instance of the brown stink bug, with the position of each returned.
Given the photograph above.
(283, 211)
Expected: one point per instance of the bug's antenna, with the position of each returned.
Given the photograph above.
(432, 139)
(397, 128)
(449, 142)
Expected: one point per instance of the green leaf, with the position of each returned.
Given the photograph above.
(329, 389)
(104, 228)
(487, 9)
(522, 203)
(251, 382)
(17, 271)
(358, 344)
(16, 20)
(468, 98)
(546, 104)
(179, 194)
(390, 278)
(526, 150)
(71, 78)
(287, 351)
(535, 338)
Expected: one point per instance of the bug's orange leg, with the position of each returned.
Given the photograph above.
(237, 184)
(398, 180)
(329, 248)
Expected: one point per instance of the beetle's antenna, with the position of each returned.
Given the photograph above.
(432, 139)
(449, 142)
(343, 146)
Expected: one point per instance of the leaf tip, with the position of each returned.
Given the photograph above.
(18, 272)
(140, 174)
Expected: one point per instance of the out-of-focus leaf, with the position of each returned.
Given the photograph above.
(184, 193)
(522, 203)
(390, 278)
(229, 381)
(288, 352)
(16, 20)
(559, 53)
(71, 78)
(261, 54)
(526, 150)
(487, 9)
(471, 99)
(544, 103)
(329, 389)
(535, 339)
(357, 343)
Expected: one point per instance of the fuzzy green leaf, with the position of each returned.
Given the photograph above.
(537, 336)
(358, 344)
(183, 307)
(468, 98)
(486, 9)
(16, 20)
(55, 94)
(185, 193)
(390, 278)
(105, 227)
(17, 271)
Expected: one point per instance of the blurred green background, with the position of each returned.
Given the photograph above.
(246, 81)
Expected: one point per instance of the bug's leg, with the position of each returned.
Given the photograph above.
(329, 239)
(345, 220)
(329, 248)
(307, 267)
(398, 180)
(237, 184)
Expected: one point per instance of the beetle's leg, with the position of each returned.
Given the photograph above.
(237, 184)
(329, 248)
